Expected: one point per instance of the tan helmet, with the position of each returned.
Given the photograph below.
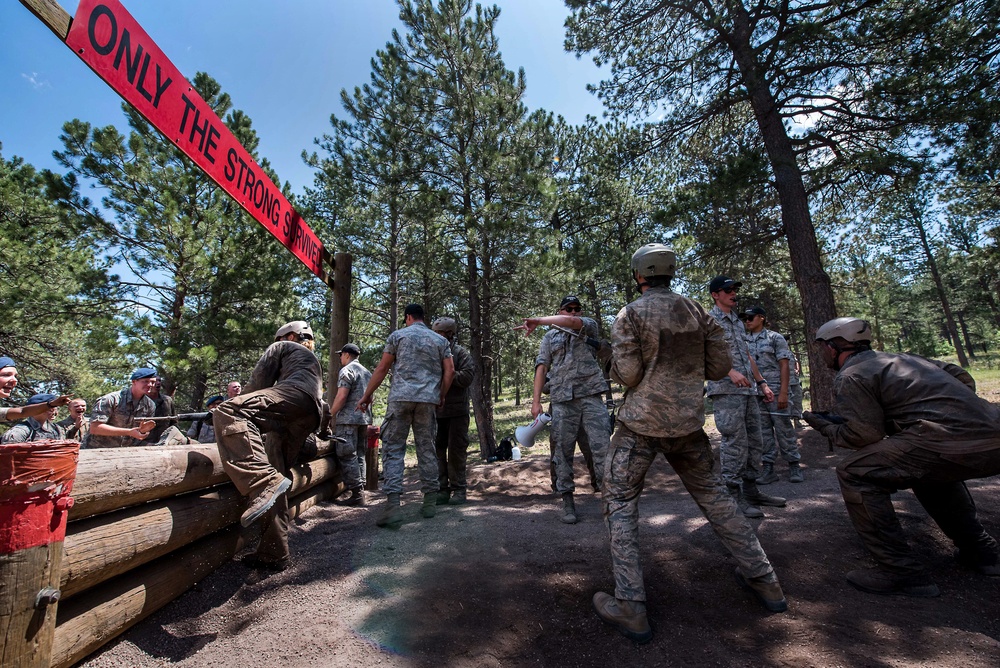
(854, 330)
(445, 326)
(300, 327)
(654, 260)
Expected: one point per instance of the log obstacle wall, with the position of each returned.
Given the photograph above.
(148, 524)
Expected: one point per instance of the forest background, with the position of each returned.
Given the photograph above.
(839, 158)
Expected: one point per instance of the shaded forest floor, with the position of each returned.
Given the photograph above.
(501, 582)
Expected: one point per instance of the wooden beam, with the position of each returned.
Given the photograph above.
(52, 15)
(339, 319)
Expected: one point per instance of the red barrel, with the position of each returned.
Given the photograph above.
(371, 458)
(36, 479)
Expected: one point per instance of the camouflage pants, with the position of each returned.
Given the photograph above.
(737, 418)
(400, 416)
(869, 477)
(568, 418)
(777, 434)
(691, 458)
(259, 436)
(588, 457)
(354, 436)
(452, 447)
(795, 399)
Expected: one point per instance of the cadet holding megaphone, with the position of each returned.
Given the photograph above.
(575, 386)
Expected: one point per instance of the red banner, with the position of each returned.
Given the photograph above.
(106, 37)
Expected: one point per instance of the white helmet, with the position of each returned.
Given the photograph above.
(299, 327)
(654, 260)
(854, 330)
(445, 326)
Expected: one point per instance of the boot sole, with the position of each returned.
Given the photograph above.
(248, 519)
(639, 638)
(772, 606)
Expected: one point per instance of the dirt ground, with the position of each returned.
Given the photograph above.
(501, 582)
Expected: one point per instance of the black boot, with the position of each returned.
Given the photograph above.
(768, 475)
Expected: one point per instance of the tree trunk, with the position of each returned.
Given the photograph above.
(965, 335)
(482, 403)
(939, 286)
(818, 304)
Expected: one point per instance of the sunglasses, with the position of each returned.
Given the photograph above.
(573, 309)
(748, 318)
(730, 291)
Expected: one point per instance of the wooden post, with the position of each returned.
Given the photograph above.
(35, 482)
(339, 318)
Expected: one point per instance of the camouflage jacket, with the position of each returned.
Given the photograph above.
(33, 430)
(927, 402)
(290, 364)
(355, 378)
(738, 352)
(456, 402)
(665, 346)
(767, 348)
(572, 364)
(417, 370)
(119, 409)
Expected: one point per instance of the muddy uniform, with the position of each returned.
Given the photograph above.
(282, 401)
(33, 430)
(737, 416)
(352, 425)
(452, 442)
(777, 435)
(665, 346)
(918, 424)
(413, 398)
(118, 409)
(576, 384)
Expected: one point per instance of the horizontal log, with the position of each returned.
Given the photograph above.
(112, 478)
(95, 617)
(99, 548)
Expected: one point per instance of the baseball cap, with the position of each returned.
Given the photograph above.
(567, 300)
(720, 283)
(755, 310)
(350, 348)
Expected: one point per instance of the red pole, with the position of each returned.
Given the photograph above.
(36, 479)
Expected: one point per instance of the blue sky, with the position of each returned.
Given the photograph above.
(283, 63)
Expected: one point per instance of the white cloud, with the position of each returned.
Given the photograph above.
(35, 82)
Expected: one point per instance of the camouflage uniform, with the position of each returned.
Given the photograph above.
(575, 387)
(665, 346)
(917, 424)
(118, 409)
(413, 399)
(452, 443)
(259, 433)
(73, 432)
(33, 430)
(352, 425)
(737, 416)
(767, 348)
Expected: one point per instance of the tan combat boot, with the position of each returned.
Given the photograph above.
(391, 513)
(766, 589)
(428, 508)
(628, 617)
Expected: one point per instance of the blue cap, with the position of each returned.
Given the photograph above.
(41, 398)
(215, 399)
(6, 361)
(139, 374)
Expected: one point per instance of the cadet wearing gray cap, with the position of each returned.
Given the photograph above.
(665, 346)
(282, 400)
(352, 424)
(915, 424)
(116, 421)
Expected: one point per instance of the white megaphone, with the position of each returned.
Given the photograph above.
(526, 435)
